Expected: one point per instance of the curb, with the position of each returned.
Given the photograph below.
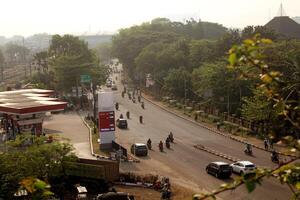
(212, 129)
(91, 144)
(216, 153)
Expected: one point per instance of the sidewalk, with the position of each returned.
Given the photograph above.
(252, 140)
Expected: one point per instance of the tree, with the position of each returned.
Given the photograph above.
(158, 58)
(283, 96)
(232, 37)
(212, 81)
(178, 82)
(40, 160)
(69, 57)
(202, 51)
(2, 62)
(42, 60)
(129, 43)
(251, 31)
(37, 189)
(2, 59)
(16, 52)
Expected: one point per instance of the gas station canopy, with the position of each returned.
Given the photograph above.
(29, 101)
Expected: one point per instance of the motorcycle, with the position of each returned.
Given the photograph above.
(275, 158)
(149, 145)
(168, 144)
(171, 138)
(248, 152)
(141, 119)
(161, 147)
(143, 105)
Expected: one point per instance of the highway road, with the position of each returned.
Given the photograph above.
(184, 164)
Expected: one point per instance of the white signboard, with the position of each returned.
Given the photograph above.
(106, 106)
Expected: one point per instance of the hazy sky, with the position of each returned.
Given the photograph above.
(26, 17)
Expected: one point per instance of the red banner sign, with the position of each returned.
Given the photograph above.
(106, 121)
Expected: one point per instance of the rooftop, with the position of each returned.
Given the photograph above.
(28, 101)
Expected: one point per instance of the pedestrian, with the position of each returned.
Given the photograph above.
(266, 144)
(196, 117)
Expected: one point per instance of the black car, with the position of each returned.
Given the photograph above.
(139, 149)
(219, 169)
(122, 123)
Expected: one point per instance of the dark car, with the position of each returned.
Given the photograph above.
(139, 149)
(122, 123)
(219, 169)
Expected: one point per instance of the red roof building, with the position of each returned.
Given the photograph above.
(24, 110)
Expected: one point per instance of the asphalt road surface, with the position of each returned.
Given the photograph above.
(184, 164)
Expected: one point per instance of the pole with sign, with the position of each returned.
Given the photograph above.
(85, 78)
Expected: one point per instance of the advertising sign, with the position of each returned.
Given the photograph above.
(107, 121)
(106, 114)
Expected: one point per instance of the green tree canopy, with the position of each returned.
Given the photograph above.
(69, 58)
(177, 81)
(40, 160)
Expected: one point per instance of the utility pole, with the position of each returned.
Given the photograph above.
(184, 96)
(95, 101)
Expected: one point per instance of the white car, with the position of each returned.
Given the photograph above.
(114, 87)
(243, 167)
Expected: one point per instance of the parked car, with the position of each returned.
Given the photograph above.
(139, 149)
(122, 123)
(108, 84)
(243, 167)
(219, 169)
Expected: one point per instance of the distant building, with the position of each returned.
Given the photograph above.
(285, 27)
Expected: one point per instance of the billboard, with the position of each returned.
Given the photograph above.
(106, 114)
(106, 121)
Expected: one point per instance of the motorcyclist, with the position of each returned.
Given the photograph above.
(149, 142)
(168, 142)
(248, 148)
(141, 119)
(171, 137)
(161, 146)
(274, 156)
(143, 105)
